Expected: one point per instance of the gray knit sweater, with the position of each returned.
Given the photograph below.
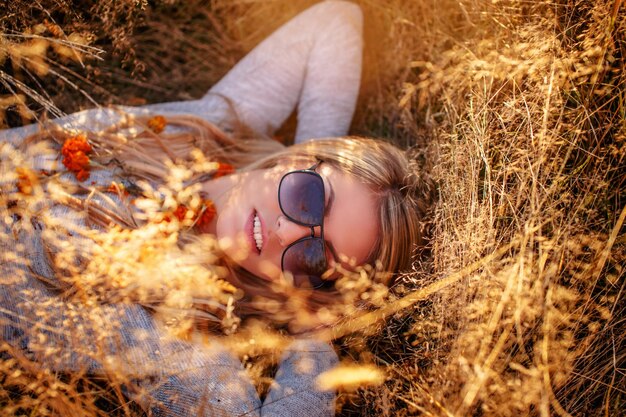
(311, 63)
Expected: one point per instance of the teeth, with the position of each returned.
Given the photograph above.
(258, 237)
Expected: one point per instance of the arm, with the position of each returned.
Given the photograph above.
(312, 62)
(165, 377)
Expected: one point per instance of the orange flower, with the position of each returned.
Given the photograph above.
(74, 151)
(117, 188)
(25, 180)
(180, 212)
(82, 175)
(223, 169)
(157, 124)
(201, 219)
(207, 215)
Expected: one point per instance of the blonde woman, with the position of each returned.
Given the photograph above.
(304, 212)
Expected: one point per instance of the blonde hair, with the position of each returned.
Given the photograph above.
(143, 149)
(134, 146)
(385, 170)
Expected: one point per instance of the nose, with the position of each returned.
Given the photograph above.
(288, 231)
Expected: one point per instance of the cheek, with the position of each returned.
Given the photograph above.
(228, 236)
(355, 225)
(230, 224)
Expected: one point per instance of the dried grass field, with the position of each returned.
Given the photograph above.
(515, 112)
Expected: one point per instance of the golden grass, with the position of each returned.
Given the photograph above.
(516, 112)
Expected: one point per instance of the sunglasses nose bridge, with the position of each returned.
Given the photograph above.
(288, 231)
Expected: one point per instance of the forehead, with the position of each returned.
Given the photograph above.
(351, 225)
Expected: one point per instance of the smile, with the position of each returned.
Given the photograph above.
(257, 232)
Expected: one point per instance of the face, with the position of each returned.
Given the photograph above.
(350, 219)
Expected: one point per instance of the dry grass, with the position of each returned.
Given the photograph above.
(516, 111)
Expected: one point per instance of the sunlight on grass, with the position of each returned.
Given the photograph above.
(515, 115)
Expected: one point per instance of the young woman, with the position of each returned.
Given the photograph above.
(302, 214)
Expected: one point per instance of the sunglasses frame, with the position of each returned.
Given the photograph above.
(308, 171)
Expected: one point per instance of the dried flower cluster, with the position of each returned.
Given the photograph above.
(201, 217)
(75, 152)
(157, 124)
(223, 169)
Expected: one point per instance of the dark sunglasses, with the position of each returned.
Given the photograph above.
(301, 198)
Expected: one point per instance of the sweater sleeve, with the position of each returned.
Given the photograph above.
(313, 62)
(294, 391)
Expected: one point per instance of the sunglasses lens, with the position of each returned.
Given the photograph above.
(306, 257)
(301, 196)
(312, 281)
